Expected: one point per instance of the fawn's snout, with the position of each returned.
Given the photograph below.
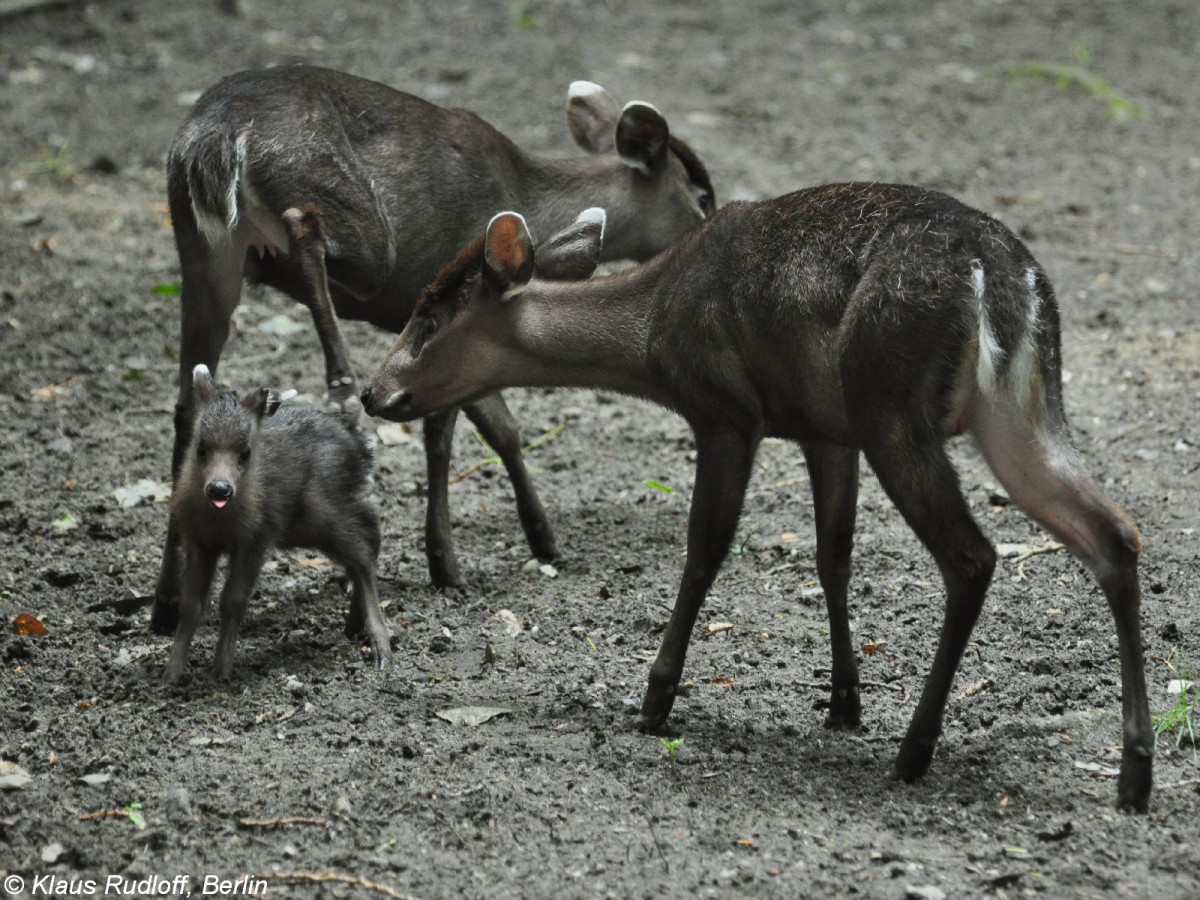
(219, 492)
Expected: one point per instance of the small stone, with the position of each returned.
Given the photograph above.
(178, 803)
(51, 853)
(923, 892)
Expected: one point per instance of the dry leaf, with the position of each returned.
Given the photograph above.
(53, 390)
(311, 562)
(471, 715)
(874, 647)
(512, 624)
(975, 688)
(721, 679)
(717, 628)
(27, 624)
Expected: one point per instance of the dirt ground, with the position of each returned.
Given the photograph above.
(318, 777)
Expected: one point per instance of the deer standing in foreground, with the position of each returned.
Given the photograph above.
(850, 318)
(348, 195)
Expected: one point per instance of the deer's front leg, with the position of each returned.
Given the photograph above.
(723, 463)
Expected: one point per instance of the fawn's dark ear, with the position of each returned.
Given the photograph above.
(573, 253)
(592, 115)
(507, 254)
(642, 137)
(264, 402)
(203, 388)
(256, 404)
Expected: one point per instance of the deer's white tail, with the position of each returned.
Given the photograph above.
(1012, 365)
(214, 161)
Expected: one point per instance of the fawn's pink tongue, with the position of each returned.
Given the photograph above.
(219, 503)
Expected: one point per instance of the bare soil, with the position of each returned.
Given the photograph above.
(320, 777)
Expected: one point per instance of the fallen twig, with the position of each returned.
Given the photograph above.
(1048, 547)
(104, 814)
(1143, 250)
(492, 460)
(1124, 432)
(281, 820)
(333, 877)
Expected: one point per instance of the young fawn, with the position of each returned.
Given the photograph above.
(348, 195)
(257, 477)
(854, 318)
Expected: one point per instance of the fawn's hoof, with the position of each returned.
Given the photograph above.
(164, 617)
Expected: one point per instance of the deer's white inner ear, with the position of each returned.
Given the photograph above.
(584, 89)
(594, 215)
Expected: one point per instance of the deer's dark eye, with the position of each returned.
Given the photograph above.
(244, 456)
(201, 452)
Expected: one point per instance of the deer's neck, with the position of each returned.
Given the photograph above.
(556, 191)
(588, 334)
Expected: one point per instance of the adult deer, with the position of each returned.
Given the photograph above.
(348, 195)
(850, 318)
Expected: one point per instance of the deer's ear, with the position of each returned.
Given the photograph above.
(203, 388)
(508, 254)
(573, 253)
(592, 115)
(642, 137)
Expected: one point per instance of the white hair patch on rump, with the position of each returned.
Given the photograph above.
(990, 354)
(1023, 373)
(217, 225)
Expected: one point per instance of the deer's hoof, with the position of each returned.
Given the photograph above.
(845, 709)
(913, 760)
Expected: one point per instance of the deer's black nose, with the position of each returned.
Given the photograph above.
(218, 490)
(365, 397)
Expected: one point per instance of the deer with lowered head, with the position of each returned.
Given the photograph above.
(867, 319)
(347, 195)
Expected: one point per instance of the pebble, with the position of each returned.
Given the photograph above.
(178, 803)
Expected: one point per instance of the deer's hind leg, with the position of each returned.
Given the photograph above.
(833, 471)
(1036, 464)
(306, 249)
(919, 478)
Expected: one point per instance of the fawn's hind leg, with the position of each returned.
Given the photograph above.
(356, 547)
